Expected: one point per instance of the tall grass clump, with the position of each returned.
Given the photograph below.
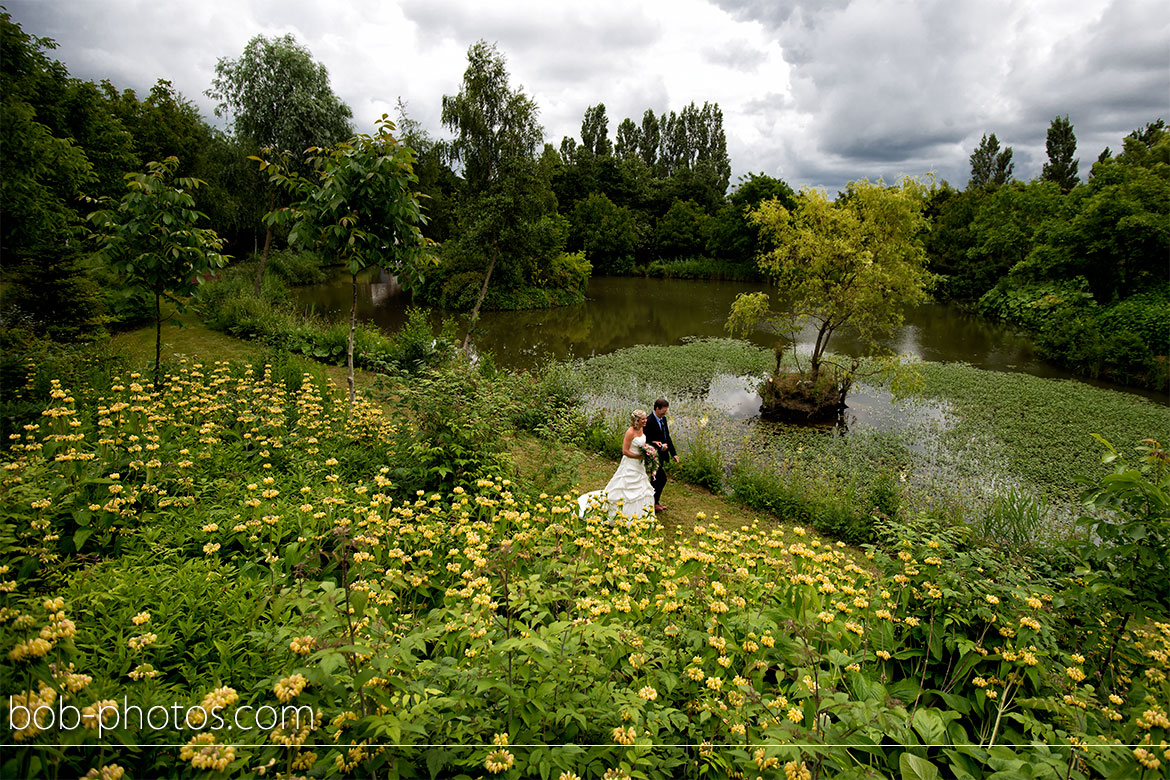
(1015, 521)
(701, 461)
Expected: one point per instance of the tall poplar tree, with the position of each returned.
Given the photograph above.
(504, 216)
(1061, 167)
(990, 166)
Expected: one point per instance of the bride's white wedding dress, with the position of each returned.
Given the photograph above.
(629, 492)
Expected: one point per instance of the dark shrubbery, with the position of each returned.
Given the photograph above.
(296, 268)
(703, 268)
(1126, 341)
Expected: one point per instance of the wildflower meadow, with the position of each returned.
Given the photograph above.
(238, 574)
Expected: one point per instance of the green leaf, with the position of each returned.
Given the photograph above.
(357, 600)
(915, 768)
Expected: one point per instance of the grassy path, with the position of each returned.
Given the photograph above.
(687, 504)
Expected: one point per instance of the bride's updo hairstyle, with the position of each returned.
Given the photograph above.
(635, 416)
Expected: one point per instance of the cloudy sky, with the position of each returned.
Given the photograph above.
(817, 92)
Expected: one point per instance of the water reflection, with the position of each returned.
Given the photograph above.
(622, 312)
(737, 397)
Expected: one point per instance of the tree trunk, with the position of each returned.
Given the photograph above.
(157, 342)
(818, 350)
(352, 327)
(267, 246)
(479, 301)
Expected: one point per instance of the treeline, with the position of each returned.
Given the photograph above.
(1083, 265)
(521, 223)
(67, 145)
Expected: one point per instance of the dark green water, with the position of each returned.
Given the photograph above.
(623, 312)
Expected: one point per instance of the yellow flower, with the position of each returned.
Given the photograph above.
(140, 618)
(624, 736)
(302, 645)
(289, 688)
(210, 756)
(794, 771)
(648, 693)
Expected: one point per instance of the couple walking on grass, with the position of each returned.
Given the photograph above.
(636, 487)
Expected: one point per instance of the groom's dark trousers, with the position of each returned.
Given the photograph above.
(659, 431)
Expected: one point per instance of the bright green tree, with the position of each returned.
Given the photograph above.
(278, 98)
(359, 206)
(150, 236)
(857, 261)
(1061, 145)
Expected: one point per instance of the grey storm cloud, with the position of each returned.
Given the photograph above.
(887, 86)
(818, 92)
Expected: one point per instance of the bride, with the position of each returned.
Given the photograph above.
(629, 493)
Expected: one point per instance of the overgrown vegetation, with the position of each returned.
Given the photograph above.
(973, 437)
(237, 541)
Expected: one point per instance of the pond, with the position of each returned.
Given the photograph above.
(622, 312)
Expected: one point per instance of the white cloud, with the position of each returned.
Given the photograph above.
(815, 92)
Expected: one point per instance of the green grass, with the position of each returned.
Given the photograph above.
(182, 335)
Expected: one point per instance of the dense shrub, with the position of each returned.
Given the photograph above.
(1126, 341)
(703, 268)
(296, 268)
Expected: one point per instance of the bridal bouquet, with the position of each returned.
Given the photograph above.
(650, 459)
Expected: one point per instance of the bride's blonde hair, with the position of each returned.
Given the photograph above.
(635, 416)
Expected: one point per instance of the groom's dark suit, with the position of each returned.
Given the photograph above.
(657, 430)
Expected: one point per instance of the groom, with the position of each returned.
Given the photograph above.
(658, 434)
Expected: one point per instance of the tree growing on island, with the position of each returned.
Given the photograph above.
(151, 237)
(278, 98)
(359, 206)
(854, 262)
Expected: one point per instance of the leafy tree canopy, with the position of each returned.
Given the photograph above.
(151, 237)
(990, 166)
(857, 261)
(277, 96)
(1061, 145)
